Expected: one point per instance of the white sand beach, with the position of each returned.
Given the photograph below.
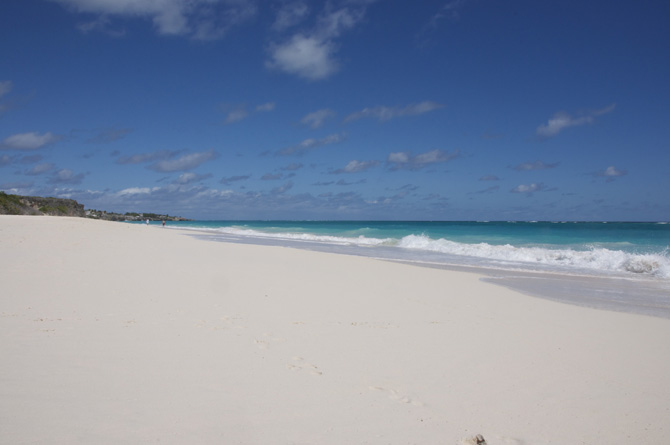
(115, 333)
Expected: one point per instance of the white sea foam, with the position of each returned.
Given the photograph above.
(307, 237)
(593, 258)
(600, 259)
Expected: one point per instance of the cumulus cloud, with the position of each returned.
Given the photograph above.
(308, 57)
(293, 166)
(183, 163)
(135, 191)
(537, 165)
(236, 116)
(282, 189)
(17, 188)
(40, 169)
(146, 157)
(227, 180)
(356, 166)
(269, 106)
(343, 182)
(108, 135)
(190, 178)
(239, 112)
(199, 19)
(66, 176)
(272, 176)
(5, 87)
(311, 55)
(101, 24)
(610, 173)
(290, 14)
(383, 113)
(28, 141)
(489, 178)
(449, 10)
(310, 144)
(317, 118)
(488, 190)
(529, 189)
(562, 120)
(408, 161)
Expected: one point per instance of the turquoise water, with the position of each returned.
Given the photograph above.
(629, 249)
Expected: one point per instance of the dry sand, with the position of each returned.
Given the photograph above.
(116, 333)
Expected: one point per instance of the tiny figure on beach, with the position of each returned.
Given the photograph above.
(147, 222)
(163, 223)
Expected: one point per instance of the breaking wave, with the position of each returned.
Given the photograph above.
(592, 258)
(586, 258)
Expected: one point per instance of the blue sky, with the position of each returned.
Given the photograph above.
(341, 109)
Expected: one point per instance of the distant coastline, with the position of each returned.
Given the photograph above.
(37, 205)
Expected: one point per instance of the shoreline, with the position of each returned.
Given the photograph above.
(121, 333)
(643, 295)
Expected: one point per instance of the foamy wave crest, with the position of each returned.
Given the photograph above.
(599, 259)
(306, 237)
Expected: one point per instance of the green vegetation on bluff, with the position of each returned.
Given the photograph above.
(35, 205)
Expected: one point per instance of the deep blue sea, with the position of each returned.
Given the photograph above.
(604, 261)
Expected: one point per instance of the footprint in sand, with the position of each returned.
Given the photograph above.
(264, 343)
(299, 364)
(395, 395)
(225, 323)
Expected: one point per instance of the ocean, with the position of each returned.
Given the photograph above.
(610, 265)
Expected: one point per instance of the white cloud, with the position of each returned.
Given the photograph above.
(383, 113)
(610, 173)
(186, 162)
(227, 180)
(201, 19)
(66, 176)
(28, 141)
(311, 55)
(311, 144)
(282, 189)
(405, 160)
(307, 57)
(562, 120)
(146, 157)
(266, 107)
(449, 10)
(489, 178)
(317, 118)
(40, 169)
(528, 189)
(5, 87)
(236, 116)
(357, 166)
(290, 14)
(239, 112)
(537, 165)
(190, 177)
(292, 167)
(271, 176)
(135, 191)
(101, 24)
